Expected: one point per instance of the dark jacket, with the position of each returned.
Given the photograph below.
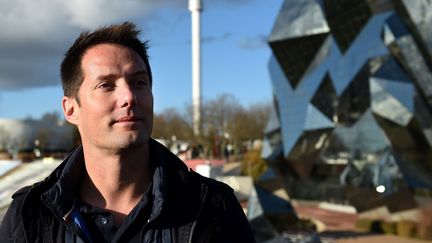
(186, 207)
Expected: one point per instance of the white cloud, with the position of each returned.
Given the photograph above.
(35, 34)
(31, 20)
(37, 20)
(89, 14)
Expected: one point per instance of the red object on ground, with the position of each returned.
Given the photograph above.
(332, 220)
(192, 163)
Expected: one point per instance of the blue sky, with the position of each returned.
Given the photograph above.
(234, 49)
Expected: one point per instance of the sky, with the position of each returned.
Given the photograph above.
(235, 54)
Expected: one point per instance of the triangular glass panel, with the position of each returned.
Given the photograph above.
(298, 19)
(273, 122)
(387, 35)
(387, 106)
(272, 204)
(295, 55)
(390, 69)
(355, 99)
(316, 120)
(325, 98)
(402, 92)
(346, 19)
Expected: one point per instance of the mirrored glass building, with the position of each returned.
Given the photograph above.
(352, 84)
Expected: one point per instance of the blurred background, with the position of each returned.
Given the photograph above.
(316, 112)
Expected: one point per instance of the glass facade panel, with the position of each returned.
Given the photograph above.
(298, 18)
(386, 105)
(316, 120)
(353, 94)
(421, 17)
(325, 98)
(340, 17)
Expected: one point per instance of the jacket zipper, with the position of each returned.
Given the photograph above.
(69, 226)
(204, 190)
(66, 224)
(149, 221)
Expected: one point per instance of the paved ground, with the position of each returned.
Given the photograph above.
(325, 219)
(380, 239)
(337, 227)
(22, 175)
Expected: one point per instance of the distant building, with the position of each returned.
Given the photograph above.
(5, 155)
(25, 136)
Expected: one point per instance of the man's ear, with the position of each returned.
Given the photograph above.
(70, 107)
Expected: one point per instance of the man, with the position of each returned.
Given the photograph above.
(120, 185)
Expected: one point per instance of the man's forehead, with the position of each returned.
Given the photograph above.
(108, 57)
(105, 50)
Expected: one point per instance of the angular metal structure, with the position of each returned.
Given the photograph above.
(352, 85)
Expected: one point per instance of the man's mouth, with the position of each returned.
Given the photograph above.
(126, 119)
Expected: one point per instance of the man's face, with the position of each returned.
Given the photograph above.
(115, 109)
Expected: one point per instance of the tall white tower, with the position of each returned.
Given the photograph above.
(195, 6)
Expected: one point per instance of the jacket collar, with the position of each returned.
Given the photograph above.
(165, 168)
(61, 196)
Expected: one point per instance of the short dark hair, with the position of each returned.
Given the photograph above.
(125, 34)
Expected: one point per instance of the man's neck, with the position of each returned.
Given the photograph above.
(116, 181)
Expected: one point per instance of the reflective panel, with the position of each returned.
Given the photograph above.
(411, 57)
(277, 209)
(386, 105)
(388, 36)
(344, 27)
(421, 17)
(296, 43)
(355, 99)
(403, 92)
(365, 136)
(295, 55)
(396, 26)
(424, 117)
(390, 69)
(316, 120)
(378, 171)
(353, 95)
(298, 18)
(367, 45)
(326, 55)
(292, 114)
(273, 123)
(272, 132)
(307, 151)
(325, 98)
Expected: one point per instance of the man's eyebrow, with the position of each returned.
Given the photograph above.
(139, 73)
(114, 76)
(106, 76)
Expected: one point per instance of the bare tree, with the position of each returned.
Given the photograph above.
(225, 123)
(171, 123)
(219, 113)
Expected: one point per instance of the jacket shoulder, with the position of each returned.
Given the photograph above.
(11, 225)
(21, 192)
(212, 184)
(224, 211)
(18, 198)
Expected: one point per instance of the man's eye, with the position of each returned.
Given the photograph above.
(141, 83)
(105, 85)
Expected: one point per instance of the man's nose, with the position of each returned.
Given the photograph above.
(127, 96)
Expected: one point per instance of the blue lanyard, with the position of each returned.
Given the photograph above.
(79, 222)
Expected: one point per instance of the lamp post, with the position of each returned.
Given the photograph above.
(195, 6)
